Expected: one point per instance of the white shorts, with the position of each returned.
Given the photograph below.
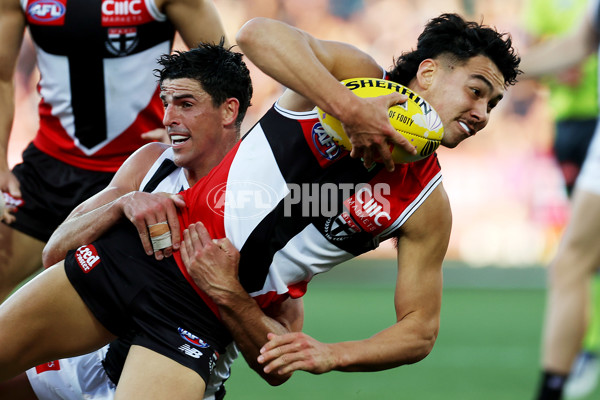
(84, 377)
(589, 177)
(73, 378)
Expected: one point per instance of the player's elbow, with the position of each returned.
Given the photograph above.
(424, 343)
(276, 380)
(251, 32)
(49, 256)
(247, 32)
(273, 378)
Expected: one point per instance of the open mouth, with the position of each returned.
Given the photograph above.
(465, 127)
(178, 139)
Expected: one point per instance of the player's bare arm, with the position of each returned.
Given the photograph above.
(421, 250)
(324, 64)
(120, 199)
(195, 20)
(12, 26)
(213, 264)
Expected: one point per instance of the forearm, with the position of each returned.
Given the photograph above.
(6, 119)
(12, 26)
(249, 327)
(405, 342)
(196, 21)
(80, 228)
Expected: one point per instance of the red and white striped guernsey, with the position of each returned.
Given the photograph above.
(295, 204)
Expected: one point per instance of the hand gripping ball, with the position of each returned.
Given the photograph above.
(415, 119)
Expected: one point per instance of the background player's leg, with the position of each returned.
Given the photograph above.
(17, 388)
(46, 320)
(20, 257)
(150, 375)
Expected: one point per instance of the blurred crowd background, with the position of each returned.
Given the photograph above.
(505, 187)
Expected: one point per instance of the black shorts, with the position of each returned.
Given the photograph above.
(572, 140)
(131, 292)
(50, 190)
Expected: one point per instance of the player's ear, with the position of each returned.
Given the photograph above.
(426, 72)
(229, 110)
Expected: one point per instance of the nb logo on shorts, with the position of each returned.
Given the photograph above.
(188, 350)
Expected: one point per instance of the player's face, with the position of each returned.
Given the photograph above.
(464, 95)
(193, 123)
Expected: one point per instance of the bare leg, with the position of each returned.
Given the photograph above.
(570, 276)
(46, 320)
(20, 257)
(149, 375)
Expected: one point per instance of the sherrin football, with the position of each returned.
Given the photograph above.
(415, 119)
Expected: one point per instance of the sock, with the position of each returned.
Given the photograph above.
(551, 387)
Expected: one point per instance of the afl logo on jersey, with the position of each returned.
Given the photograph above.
(46, 12)
(324, 143)
(242, 199)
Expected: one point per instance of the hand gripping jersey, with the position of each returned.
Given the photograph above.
(165, 176)
(295, 204)
(86, 376)
(98, 89)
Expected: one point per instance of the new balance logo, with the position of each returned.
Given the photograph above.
(188, 350)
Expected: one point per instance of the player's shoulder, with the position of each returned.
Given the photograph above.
(139, 163)
(433, 217)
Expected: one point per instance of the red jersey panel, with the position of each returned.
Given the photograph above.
(295, 206)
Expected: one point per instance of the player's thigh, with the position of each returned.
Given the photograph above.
(45, 320)
(149, 375)
(20, 256)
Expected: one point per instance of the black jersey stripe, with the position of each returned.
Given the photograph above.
(165, 169)
(277, 228)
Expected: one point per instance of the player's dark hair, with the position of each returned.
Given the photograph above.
(221, 72)
(461, 40)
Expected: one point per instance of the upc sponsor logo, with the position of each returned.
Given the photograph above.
(48, 12)
(194, 353)
(87, 257)
(191, 338)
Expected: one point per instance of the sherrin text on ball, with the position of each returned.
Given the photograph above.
(415, 119)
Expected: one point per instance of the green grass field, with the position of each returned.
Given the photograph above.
(487, 349)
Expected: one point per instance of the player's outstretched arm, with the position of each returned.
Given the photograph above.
(120, 199)
(312, 69)
(213, 264)
(421, 250)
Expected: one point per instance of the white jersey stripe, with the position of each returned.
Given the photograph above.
(255, 180)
